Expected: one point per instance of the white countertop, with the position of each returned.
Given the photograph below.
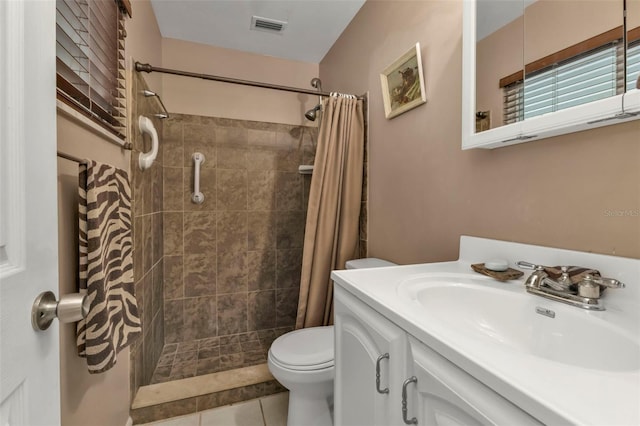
(553, 392)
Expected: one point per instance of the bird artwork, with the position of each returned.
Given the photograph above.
(410, 87)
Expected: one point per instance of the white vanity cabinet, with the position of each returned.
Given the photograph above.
(442, 393)
(484, 351)
(367, 344)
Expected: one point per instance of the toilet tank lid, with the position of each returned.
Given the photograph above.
(308, 347)
(368, 262)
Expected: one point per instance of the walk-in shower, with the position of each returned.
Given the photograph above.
(219, 280)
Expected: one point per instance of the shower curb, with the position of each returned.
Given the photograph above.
(186, 396)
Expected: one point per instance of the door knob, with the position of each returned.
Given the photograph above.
(70, 308)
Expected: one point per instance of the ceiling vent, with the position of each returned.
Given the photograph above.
(273, 26)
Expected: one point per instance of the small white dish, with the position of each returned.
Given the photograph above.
(498, 265)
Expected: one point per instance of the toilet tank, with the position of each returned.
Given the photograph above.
(368, 262)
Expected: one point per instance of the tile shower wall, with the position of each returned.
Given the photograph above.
(148, 266)
(231, 264)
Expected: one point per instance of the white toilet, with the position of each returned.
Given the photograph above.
(303, 362)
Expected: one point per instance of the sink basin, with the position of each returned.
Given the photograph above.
(475, 308)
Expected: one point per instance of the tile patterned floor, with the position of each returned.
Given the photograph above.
(214, 354)
(267, 411)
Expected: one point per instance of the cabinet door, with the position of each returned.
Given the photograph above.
(446, 395)
(362, 336)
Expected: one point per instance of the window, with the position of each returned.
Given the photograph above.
(576, 81)
(90, 59)
(513, 102)
(583, 78)
(633, 64)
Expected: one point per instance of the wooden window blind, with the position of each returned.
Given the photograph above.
(513, 101)
(90, 59)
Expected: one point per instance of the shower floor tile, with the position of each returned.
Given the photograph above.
(214, 354)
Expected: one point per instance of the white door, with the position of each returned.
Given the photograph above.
(29, 366)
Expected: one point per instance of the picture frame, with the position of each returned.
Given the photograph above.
(403, 83)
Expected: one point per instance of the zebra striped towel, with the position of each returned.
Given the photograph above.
(106, 266)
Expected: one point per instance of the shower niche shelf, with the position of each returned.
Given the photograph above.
(305, 170)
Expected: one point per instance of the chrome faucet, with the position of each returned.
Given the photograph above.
(584, 294)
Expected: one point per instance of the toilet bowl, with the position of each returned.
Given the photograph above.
(303, 362)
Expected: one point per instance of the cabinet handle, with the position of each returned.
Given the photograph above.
(413, 421)
(380, 358)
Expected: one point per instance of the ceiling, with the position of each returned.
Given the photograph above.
(312, 26)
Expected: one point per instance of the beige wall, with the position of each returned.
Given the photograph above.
(101, 399)
(216, 99)
(552, 25)
(633, 14)
(144, 41)
(425, 191)
(85, 398)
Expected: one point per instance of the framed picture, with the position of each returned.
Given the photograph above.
(403, 84)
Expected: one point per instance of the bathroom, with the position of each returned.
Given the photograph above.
(577, 191)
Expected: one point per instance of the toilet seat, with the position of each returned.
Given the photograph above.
(306, 349)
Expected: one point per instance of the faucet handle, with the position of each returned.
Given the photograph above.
(592, 286)
(528, 265)
(607, 282)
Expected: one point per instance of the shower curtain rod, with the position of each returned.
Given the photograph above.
(150, 68)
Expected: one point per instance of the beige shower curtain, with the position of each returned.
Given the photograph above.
(331, 232)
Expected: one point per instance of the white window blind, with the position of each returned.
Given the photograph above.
(594, 75)
(577, 81)
(90, 59)
(633, 64)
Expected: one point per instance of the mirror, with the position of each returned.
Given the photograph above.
(566, 68)
(633, 45)
(574, 54)
(499, 60)
(570, 51)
